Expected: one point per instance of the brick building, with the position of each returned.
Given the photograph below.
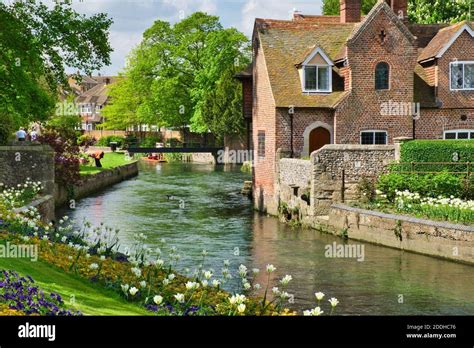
(320, 80)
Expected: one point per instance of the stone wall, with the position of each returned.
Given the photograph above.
(357, 160)
(17, 163)
(440, 239)
(295, 172)
(44, 205)
(320, 178)
(92, 184)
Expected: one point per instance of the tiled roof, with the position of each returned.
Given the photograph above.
(286, 44)
(440, 40)
(96, 95)
(423, 92)
(425, 32)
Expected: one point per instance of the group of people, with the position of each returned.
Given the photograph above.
(23, 135)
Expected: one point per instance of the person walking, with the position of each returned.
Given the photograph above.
(33, 135)
(21, 134)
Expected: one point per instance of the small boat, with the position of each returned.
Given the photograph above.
(152, 160)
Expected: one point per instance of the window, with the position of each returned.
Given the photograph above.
(261, 143)
(462, 76)
(382, 76)
(317, 78)
(459, 134)
(373, 138)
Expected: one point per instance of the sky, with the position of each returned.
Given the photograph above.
(132, 17)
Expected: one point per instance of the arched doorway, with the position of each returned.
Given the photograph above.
(318, 138)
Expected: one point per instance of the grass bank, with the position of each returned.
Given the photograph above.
(111, 160)
(89, 298)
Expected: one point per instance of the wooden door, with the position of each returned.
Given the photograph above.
(318, 138)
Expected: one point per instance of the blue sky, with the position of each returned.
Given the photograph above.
(132, 17)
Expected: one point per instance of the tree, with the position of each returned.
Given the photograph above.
(419, 11)
(36, 44)
(333, 7)
(439, 11)
(174, 71)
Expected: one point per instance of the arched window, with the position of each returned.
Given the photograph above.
(382, 76)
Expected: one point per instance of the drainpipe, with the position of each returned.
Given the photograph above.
(291, 135)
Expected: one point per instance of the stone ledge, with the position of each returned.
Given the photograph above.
(31, 147)
(45, 206)
(406, 218)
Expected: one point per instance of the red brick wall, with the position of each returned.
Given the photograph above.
(462, 49)
(247, 97)
(433, 122)
(302, 118)
(263, 120)
(362, 109)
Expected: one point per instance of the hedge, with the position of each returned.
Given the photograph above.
(452, 151)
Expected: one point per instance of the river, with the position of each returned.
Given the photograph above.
(197, 206)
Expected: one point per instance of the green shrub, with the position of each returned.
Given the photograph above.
(366, 190)
(452, 151)
(427, 185)
(150, 141)
(86, 140)
(105, 141)
(7, 129)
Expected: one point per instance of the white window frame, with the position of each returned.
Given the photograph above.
(460, 62)
(373, 131)
(329, 67)
(457, 131)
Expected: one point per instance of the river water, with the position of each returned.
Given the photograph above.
(197, 206)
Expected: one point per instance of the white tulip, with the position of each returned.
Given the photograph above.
(158, 299)
(133, 291)
(271, 268)
(319, 296)
(179, 297)
(241, 308)
(333, 301)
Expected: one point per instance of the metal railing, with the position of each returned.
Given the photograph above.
(456, 168)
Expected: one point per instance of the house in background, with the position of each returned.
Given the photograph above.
(91, 97)
(345, 79)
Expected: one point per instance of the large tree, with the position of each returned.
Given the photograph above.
(173, 74)
(37, 43)
(419, 11)
(332, 7)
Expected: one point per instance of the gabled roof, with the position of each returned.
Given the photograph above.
(287, 43)
(444, 39)
(314, 52)
(379, 7)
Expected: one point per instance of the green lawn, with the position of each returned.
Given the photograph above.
(110, 160)
(90, 299)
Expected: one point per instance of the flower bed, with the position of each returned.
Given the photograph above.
(23, 194)
(146, 277)
(22, 295)
(447, 209)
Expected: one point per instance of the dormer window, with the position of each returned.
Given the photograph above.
(317, 73)
(317, 78)
(462, 76)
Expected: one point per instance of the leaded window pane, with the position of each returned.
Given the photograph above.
(323, 78)
(382, 76)
(469, 76)
(310, 78)
(456, 76)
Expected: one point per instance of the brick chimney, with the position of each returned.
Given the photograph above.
(350, 11)
(400, 7)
